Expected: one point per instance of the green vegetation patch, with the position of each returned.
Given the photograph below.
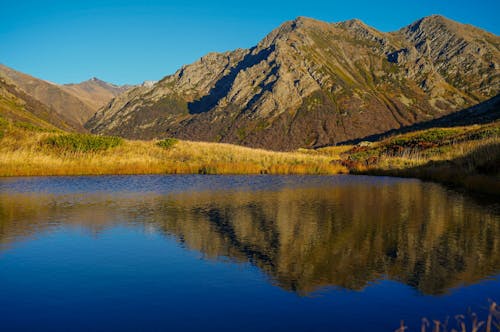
(3, 127)
(82, 142)
(431, 137)
(242, 133)
(28, 126)
(361, 153)
(167, 143)
(172, 104)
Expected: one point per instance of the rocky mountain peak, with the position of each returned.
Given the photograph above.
(298, 26)
(462, 54)
(311, 83)
(354, 24)
(96, 80)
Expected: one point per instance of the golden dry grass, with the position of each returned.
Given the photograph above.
(458, 150)
(473, 165)
(23, 154)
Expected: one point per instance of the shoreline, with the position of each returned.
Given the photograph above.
(478, 184)
(467, 157)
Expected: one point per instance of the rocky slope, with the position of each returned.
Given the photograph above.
(73, 103)
(311, 83)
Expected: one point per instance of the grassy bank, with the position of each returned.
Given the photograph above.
(468, 157)
(462, 156)
(27, 152)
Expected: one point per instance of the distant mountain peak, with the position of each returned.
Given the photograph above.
(148, 84)
(95, 79)
(98, 81)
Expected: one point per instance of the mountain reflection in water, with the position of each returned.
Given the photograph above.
(303, 238)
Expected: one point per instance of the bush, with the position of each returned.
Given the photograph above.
(436, 136)
(82, 142)
(167, 143)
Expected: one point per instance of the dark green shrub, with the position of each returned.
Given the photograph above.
(82, 142)
(167, 143)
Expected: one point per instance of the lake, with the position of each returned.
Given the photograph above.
(242, 253)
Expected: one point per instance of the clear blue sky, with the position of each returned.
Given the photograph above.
(132, 41)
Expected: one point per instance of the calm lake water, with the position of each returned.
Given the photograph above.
(241, 253)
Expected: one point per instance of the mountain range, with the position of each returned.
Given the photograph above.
(310, 84)
(307, 84)
(47, 104)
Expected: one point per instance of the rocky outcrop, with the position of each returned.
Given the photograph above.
(310, 83)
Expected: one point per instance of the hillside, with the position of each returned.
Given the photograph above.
(19, 107)
(311, 84)
(73, 103)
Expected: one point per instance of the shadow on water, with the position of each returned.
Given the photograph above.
(303, 239)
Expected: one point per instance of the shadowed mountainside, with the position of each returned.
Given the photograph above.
(483, 113)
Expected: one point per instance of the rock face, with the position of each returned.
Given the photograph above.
(311, 83)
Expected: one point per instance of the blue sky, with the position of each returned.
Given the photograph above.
(132, 41)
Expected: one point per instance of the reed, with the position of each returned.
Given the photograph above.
(472, 324)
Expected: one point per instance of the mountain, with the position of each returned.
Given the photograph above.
(310, 83)
(18, 106)
(465, 56)
(67, 106)
(73, 103)
(95, 93)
